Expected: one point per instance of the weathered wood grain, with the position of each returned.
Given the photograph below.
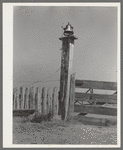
(95, 97)
(31, 97)
(17, 98)
(96, 84)
(21, 98)
(49, 101)
(14, 99)
(72, 96)
(23, 112)
(95, 109)
(66, 66)
(44, 101)
(55, 102)
(26, 101)
(38, 101)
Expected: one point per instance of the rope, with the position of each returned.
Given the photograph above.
(43, 79)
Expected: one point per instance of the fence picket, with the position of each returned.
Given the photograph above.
(49, 101)
(31, 98)
(14, 100)
(17, 98)
(26, 99)
(38, 100)
(20, 98)
(44, 101)
(23, 97)
(55, 102)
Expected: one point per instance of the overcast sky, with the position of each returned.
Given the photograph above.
(37, 46)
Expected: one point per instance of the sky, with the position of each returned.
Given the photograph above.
(36, 44)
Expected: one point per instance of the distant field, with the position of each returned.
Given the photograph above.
(59, 132)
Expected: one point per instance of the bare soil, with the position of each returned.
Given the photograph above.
(61, 132)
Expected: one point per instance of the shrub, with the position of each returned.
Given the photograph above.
(38, 118)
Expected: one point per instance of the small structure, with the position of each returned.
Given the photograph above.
(66, 67)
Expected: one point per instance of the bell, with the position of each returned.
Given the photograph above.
(68, 30)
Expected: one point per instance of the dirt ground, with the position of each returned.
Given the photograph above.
(60, 132)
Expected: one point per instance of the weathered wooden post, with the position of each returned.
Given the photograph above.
(31, 97)
(55, 102)
(72, 96)
(17, 98)
(14, 98)
(26, 105)
(38, 99)
(21, 98)
(49, 101)
(66, 68)
(44, 101)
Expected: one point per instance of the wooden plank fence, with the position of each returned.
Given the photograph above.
(29, 100)
(94, 98)
(95, 101)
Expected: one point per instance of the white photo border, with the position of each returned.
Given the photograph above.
(8, 74)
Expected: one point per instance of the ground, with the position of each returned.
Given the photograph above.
(60, 132)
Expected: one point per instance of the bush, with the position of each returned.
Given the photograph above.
(38, 118)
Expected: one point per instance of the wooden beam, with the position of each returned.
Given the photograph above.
(97, 101)
(89, 96)
(96, 84)
(95, 109)
(23, 112)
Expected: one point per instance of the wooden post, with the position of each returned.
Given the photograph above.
(44, 101)
(17, 98)
(55, 102)
(66, 69)
(26, 99)
(31, 97)
(13, 101)
(38, 101)
(72, 96)
(49, 101)
(21, 98)
(14, 98)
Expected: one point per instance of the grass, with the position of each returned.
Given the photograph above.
(61, 132)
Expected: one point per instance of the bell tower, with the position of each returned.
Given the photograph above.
(66, 69)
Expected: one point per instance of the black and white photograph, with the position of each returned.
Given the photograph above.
(61, 75)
